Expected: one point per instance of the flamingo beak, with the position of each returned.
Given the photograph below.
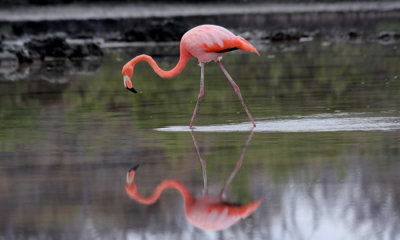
(128, 84)
(130, 175)
(132, 90)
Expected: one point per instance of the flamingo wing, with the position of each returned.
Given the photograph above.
(230, 44)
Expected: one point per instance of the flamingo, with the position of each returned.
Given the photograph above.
(208, 212)
(206, 43)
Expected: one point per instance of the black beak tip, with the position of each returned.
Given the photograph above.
(134, 168)
(132, 90)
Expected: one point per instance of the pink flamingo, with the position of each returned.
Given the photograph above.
(206, 43)
(208, 212)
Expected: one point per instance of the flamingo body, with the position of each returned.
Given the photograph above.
(206, 43)
(210, 42)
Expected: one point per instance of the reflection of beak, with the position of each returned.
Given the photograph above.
(134, 168)
(130, 175)
(132, 89)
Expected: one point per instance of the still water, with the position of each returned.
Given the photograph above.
(323, 162)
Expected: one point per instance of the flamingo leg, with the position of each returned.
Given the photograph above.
(237, 90)
(203, 164)
(237, 167)
(200, 96)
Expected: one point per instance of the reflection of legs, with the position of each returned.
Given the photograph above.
(201, 94)
(237, 90)
(203, 164)
(238, 165)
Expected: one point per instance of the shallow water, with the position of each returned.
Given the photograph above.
(324, 158)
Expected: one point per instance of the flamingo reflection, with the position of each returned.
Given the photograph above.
(209, 212)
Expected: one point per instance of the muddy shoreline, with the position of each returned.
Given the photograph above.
(46, 34)
(171, 20)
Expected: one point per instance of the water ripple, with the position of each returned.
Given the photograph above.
(313, 123)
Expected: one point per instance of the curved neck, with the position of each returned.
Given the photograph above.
(133, 193)
(184, 57)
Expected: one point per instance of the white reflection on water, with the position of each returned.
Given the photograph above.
(349, 215)
(313, 123)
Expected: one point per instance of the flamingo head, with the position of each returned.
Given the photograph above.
(128, 84)
(130, 176)
(127, 72)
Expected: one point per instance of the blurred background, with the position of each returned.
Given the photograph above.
(324, 92)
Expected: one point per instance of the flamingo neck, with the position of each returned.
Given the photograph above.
(183, 59)
(133, 193)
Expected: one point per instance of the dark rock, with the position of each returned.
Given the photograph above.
(22, 53)
(389, 35)
(83, 35)
(157, 32)
(84, 50)
(57, 46)
(286, 35)
(135, 34)
(8, 59)
(277, 37)
(49, 46)
(353, 34)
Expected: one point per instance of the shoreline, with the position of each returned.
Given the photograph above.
(127, 11)
(168, 22)
(76, 35)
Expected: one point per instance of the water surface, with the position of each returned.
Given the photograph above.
(324, 157)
